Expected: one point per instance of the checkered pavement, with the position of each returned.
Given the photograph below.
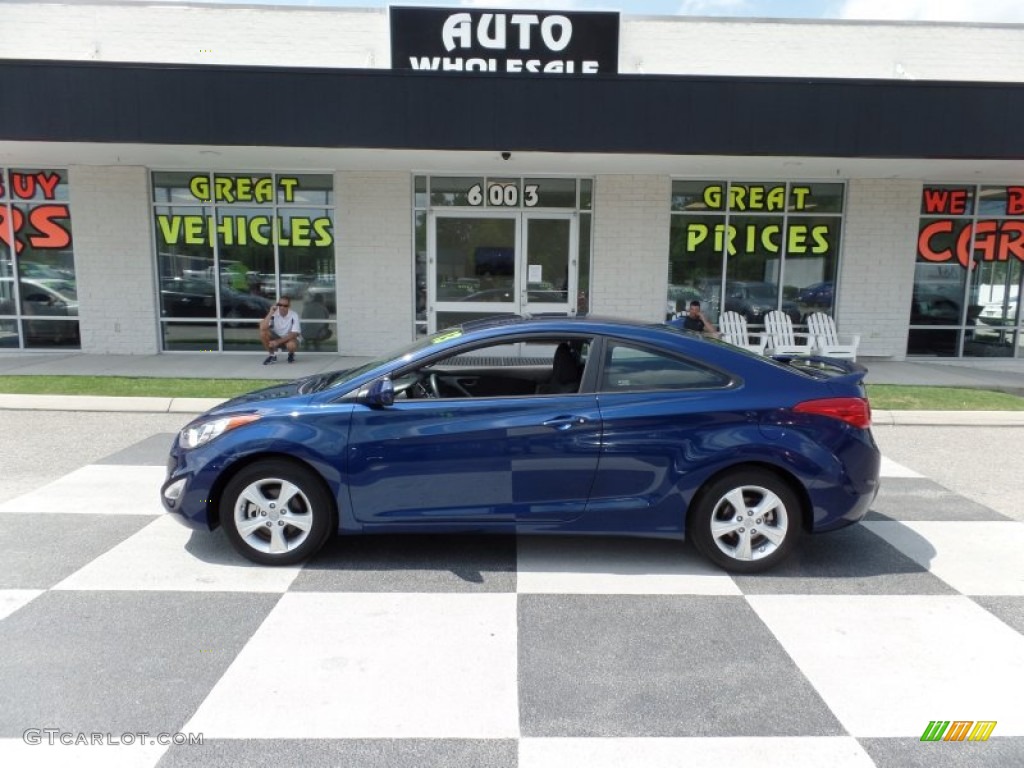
(498, 651)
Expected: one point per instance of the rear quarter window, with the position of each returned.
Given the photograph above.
(631, 369)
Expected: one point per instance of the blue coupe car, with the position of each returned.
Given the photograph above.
(539, 425)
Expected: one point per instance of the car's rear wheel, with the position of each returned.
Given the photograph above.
(745, 521)
(276, 512)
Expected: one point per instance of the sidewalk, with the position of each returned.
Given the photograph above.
(997, 374)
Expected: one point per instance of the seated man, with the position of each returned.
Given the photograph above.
(280, 328)
(694, 320)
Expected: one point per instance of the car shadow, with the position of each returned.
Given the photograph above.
(854, 560)
(467, 557)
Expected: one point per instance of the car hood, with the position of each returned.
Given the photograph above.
(267, 395)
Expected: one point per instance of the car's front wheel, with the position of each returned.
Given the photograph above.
(276, 512)
(746, 521)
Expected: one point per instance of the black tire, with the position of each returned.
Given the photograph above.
(766, 540)
(253, 495)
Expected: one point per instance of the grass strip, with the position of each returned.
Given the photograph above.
(884, 397)
(125, 386)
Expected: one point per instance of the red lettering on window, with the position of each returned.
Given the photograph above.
(935, 200)
(924, 246)
(1014, 201)
(17, 218)
(23, 185)
(48, 183)
(1012, 241)
(958, 201)
(52, 233)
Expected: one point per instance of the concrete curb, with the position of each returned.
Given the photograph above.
(107, 404)
(195, 405)
(948, 418)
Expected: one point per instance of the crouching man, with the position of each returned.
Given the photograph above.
(280, 328)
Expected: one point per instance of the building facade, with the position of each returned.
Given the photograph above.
(167, 171)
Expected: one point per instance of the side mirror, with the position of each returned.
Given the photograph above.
(381, 393)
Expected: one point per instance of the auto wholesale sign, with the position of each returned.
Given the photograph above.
(516, 42)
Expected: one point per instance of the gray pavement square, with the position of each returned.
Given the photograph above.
(149, 452)
(658, 666)
(38, 551)
(997, 752)
(1008, 608)
(119, 661)
(351, 753)
(911, 498)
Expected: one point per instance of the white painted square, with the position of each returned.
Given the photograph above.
(97, 489)
(890, 468)
(13, 599)
(616, 567)
(15, 752)
(973, 557)
(887, 665)
(738, 752)
(393, 665)
(156, 558)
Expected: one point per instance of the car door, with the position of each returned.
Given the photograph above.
(489, 461)
(662, 417)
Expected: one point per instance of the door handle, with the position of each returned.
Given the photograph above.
(565, 422)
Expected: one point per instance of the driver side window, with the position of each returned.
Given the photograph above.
(522, 368)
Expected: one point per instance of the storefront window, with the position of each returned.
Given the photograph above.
(968, 273)
(753, 247)
(38, 291)
(229, 245)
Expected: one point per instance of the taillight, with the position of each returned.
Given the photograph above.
(853, 410)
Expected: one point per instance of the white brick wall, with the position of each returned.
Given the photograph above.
(630, 251)
(373, 222)
(110, 223)
(333, 37)
(877, 270)
(180, 34)
(812, 48)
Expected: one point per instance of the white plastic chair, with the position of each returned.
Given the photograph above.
(782, 339)
(733, 327)
(826, 340)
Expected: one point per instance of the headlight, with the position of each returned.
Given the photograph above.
(203, 432)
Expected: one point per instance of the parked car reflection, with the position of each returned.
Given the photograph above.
(189, 297)
(934, 309)
(754, 300)
(816, 295)
(999, 314)
(45, 298)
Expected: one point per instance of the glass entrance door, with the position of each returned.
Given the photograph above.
(481, 265)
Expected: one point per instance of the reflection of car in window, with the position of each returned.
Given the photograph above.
(49, 297)
(754, 300)
(934, 309)
(999, 314)
(816, 294)
(190, 297)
